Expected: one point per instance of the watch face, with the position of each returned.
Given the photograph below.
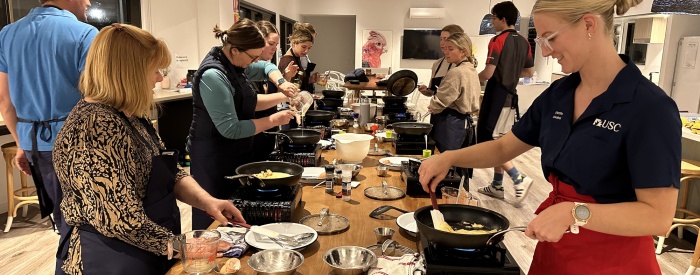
(582, 212)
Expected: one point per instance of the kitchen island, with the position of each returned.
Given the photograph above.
(362, 226)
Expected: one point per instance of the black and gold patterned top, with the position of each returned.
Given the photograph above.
(104, 170)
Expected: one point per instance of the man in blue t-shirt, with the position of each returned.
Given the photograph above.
(41, 58)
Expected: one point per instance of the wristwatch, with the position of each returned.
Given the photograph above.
(280, 81)
(581, 215)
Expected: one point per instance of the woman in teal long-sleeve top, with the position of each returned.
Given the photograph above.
(225, 102)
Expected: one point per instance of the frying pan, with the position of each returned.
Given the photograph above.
(412, 128)
(455, 215)
(319, 115)
(293, 169)
(299, 136)
(333, 94)
(402, 83)
(394, 100)
(330, 102)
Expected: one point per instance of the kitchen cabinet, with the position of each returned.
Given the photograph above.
(650, 30)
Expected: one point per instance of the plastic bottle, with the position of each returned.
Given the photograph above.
(347, 188)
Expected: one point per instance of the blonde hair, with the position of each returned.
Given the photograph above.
(304, 26)
(452, 28)
(462, 41)
(119, 63)
(571, 10)
(301, 36)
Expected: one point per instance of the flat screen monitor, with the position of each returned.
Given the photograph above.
(421, 44)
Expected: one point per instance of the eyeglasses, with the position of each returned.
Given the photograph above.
(544, 41)
(253, 58)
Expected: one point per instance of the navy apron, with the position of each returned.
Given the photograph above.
(46, 205)
(435, 81)
(449, 125)
(214, 156)
(496, 97)
(105, 255)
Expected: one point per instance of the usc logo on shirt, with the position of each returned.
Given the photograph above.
(608, 125)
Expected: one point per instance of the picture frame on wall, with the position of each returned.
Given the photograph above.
(376, 49)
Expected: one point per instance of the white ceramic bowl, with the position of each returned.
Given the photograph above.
(352, 148)
(372, 109)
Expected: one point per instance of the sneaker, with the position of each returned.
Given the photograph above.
(492, 191)
(522, 188)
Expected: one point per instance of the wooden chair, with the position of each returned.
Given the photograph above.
(690, 170)
(25, 195)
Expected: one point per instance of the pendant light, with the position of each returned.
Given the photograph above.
(486, 26)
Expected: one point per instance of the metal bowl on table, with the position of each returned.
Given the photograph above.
(349, 260)
(339, 123)
(276, 261)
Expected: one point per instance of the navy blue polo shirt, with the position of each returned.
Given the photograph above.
(629, 136)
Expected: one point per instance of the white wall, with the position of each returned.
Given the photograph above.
(393, 15)
(334, 49)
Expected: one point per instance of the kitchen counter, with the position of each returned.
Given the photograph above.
(361, 228)
(160, 95)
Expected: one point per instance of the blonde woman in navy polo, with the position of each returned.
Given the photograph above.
(611, 148)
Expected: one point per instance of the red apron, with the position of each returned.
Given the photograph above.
(591, 252)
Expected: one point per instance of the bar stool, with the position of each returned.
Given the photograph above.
(690, 169)
(24, 194)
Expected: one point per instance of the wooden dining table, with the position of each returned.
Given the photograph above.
(361, 230)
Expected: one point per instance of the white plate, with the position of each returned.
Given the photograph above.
(383, 135)
(324, 143)
(312, 175)
(394, 163)
(285, 228)
(408, 223)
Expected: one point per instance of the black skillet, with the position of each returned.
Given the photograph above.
(456, 215)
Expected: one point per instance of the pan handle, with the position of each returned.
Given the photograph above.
(279, 134)
(515, 228)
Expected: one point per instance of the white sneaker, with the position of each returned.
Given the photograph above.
(492, 191)
(522, 188)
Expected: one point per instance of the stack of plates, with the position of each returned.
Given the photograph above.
(285, 228)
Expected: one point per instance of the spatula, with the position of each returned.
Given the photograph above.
(438, 219)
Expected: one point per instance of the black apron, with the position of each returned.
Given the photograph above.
(264, 144)
(46, 206)
(212, 155)
(310, 67)
(435, 81)
(104, 255)
(496, 97)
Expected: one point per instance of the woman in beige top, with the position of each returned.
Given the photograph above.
(456, 97)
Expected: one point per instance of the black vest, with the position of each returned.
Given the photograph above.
(202, 130)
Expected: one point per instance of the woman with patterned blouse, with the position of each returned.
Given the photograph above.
(120, 183)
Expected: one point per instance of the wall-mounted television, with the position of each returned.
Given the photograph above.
(421, 44)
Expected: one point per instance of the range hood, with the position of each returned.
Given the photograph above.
(675, 7)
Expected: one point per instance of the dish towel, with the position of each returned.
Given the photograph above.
(406, 264)
(236, 237)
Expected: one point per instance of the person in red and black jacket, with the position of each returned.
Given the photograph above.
(509, 58)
